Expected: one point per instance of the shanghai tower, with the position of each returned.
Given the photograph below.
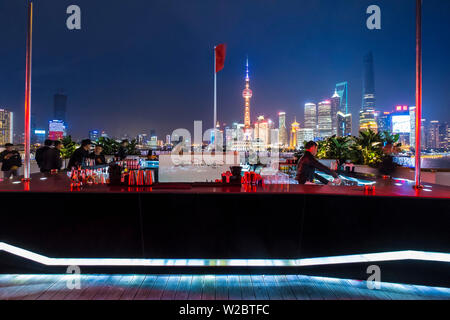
(368, 83)
(367, 119)
(59, 105)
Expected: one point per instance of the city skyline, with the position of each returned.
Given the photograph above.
(289, 66)
(325, 125)
(60, 100)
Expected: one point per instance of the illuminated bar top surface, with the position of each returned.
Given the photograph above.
(383, 187)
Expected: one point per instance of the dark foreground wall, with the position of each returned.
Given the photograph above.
(220, 225)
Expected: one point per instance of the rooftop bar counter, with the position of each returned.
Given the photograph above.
(60, 183)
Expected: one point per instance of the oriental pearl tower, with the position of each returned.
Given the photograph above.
(247, 94)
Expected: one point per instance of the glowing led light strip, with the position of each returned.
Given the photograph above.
(356, 258)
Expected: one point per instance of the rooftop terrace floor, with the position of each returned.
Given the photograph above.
(207, 287)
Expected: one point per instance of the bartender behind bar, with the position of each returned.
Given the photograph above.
(308, 164)
(80, 154)
(98, 156)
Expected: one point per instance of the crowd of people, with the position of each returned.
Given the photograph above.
(48, 157)
(83, 152)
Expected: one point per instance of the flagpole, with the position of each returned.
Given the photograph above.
(215, 96)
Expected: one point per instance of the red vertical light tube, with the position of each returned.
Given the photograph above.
(418, 90)
(27, 129)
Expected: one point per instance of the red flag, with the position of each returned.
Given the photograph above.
(220, 52)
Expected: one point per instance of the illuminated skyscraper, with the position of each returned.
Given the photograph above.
(311, 117)
(443, 141)
(218, 143)
(367, 120)
(33, 127)
(424, 137)
(412, 137)
(238, 131)
(94, 135)
(448, 137)
(384, 122)
(324, 119)
(39, 136)
(56, 130)
(433, 135)
(59, 105)
(295, 126)
(262, 131)
(220, 140)
(153, 143)
(335, 108)
(141, 139)
(6, 127)
(437, 135)
(238, 140)
(401, 124)
(344, 124)
(412, 124)
(247, 95)
(342, 91)
(368, 83)
(282, 131)
(304, 135)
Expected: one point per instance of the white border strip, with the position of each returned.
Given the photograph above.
(356, 258)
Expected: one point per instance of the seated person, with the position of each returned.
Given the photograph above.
(308, 164)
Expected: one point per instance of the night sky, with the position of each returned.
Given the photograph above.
(138, 65)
